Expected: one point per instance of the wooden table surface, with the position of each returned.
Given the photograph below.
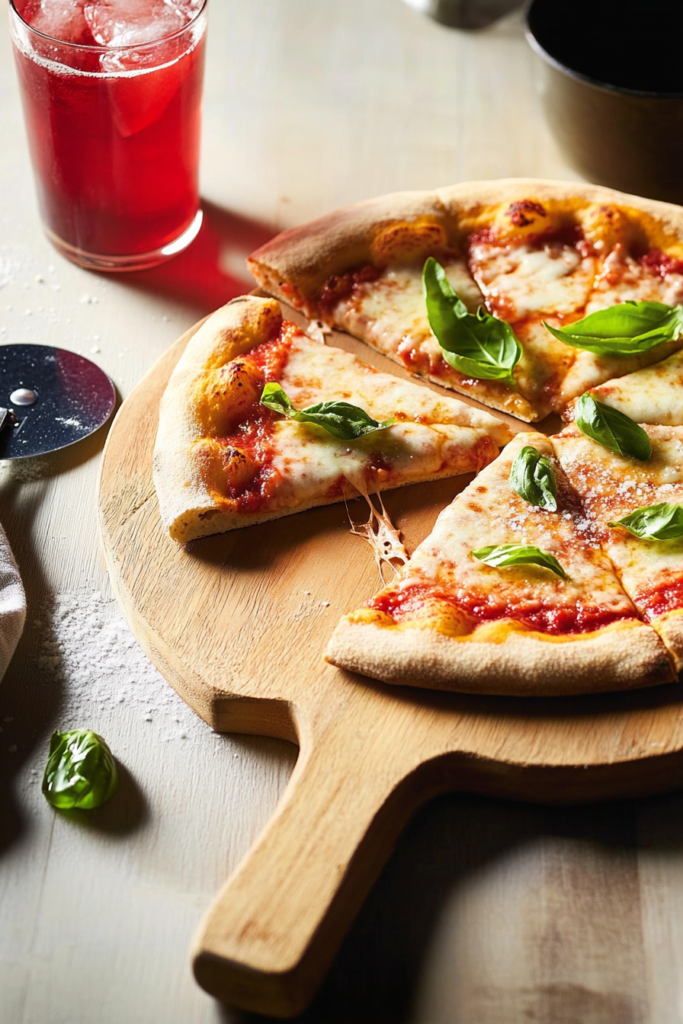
(488, 912)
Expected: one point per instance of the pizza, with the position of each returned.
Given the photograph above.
(260, 421)
(531, 255)
(559, 568)
(508, 596)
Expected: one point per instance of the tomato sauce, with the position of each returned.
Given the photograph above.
(658, 600)
(253, 435)
(343, 286)
(659, 263)
(555, 621)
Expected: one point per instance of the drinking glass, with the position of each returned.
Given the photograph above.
(113, 115)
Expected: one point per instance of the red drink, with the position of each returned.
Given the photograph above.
(113, 123)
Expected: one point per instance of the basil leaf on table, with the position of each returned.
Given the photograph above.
(532, 476)
(479, 345)
(654, 522)
(504, 555)
(623, 330)
(341, 419)
(611, 428)
(80, 771)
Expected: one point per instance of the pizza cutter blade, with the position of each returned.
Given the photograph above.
(49, 399)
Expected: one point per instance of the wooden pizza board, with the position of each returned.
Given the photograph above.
(238, 623)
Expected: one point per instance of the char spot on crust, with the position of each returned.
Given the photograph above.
(525, 212)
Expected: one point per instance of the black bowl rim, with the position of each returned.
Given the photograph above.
(595, 82)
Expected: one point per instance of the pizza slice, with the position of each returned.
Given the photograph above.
(509, 594)
(259, 421)
(532, 265)
(651, 395)
(635, 507)
(651, 278)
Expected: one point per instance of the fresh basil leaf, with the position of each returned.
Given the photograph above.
(80, 771)
(623, 330)
(532, 476)
(341, 419)
(274, 397)
(654, 522)
(503, 555)
(611, 428)
(479, 345)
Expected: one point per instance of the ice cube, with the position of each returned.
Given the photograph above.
(115, 23)
(59, 19)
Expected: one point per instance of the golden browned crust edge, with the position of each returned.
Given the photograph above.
(622, 656)
(183, 496)
(670, 628)
(306, 256)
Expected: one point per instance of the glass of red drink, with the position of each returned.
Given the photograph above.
(111, 91)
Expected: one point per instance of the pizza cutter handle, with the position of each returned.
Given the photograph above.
(272, 932)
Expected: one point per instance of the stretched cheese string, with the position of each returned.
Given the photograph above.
(381, 535)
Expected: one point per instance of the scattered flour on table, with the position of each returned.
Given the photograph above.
(85, 643)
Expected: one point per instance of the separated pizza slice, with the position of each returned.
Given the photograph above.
(509, 594)
(532, 264)
(259, 421)
(644, 498)
(651, 395)
(631, 268)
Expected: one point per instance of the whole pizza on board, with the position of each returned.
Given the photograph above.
(559, 569)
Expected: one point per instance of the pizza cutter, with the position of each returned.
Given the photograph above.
(49, 399)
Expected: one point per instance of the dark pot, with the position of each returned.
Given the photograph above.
(624, 135)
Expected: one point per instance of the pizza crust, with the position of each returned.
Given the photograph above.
(187, 508)
(622, 656)
(307, 256)
(670, 628)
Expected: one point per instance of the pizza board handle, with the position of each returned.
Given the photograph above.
(272, 932)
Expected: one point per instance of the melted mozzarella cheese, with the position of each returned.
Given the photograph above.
(313, 463)
(623, 279)
(489, 512)
(650, 395)
(390, 314)
(588, 371)
(391, 309)
(522, 280)
(433, 436)
(318, 373)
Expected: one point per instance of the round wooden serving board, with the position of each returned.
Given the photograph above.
(238, 624)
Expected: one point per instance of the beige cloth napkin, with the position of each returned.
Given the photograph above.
(12, 604)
